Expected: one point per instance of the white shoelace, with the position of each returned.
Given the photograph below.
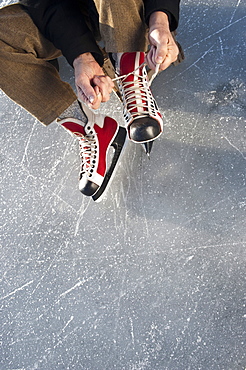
(157, 67)
(87, 150)
(136, 94)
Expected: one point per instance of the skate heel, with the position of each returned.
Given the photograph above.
(119, 139)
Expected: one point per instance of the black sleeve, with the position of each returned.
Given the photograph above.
(62, 22)
(170, 7)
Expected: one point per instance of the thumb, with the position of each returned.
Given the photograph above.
(96, 103)
(87, 93)
(160, 55)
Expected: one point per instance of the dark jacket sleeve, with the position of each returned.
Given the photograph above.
(171, 7)
(62, 22)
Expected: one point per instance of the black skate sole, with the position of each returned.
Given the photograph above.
(118, 145)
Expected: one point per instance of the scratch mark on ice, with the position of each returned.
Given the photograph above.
(77, 285)
(215, 33)
(193, 64)
(132, 332)
(206, 211)
(69, 321)
(238, 3)
(27, 144)
(64, 201)
(188, 259)
(234, 146)
(80, 283)
(221, 46)
(65, 337)
(195, 248)
(52, 262)
(16, 290)
(82, 211)
(121, 295)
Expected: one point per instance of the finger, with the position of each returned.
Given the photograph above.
(150, 58)
(160, 54)
(166, 63)
(97, 102)
(97, 90)
(86, 93)
(170, 58)
(105, 86)
(104, 83)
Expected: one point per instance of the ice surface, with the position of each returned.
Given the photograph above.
(154, 276)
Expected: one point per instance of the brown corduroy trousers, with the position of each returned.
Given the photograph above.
(26, 74)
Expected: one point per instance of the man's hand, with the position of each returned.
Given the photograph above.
(163, 49)
(93, 87)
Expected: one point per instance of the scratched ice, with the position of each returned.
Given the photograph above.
(152, 277)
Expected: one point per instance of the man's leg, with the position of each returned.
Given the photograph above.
(122, 25)
(26, 75)
(29, 79)
(123, 31)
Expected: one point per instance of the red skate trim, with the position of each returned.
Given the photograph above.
(128, 63)
(105, 137)
(74, 127)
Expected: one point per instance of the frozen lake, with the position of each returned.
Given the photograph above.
(153, 277)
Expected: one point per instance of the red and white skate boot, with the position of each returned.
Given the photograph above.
(95, 138)
(142, 116)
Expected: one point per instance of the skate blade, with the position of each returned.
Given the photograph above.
(118, 144)
(148, 147)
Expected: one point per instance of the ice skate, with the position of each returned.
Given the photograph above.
(95, 138)
(142, 117)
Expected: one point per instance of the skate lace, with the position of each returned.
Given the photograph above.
(134, 72)
(87, 152)
(136, 94)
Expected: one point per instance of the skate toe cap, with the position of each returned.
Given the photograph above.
(144, 129)
(87, 187)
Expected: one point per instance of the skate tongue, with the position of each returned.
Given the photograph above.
(129, 62)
